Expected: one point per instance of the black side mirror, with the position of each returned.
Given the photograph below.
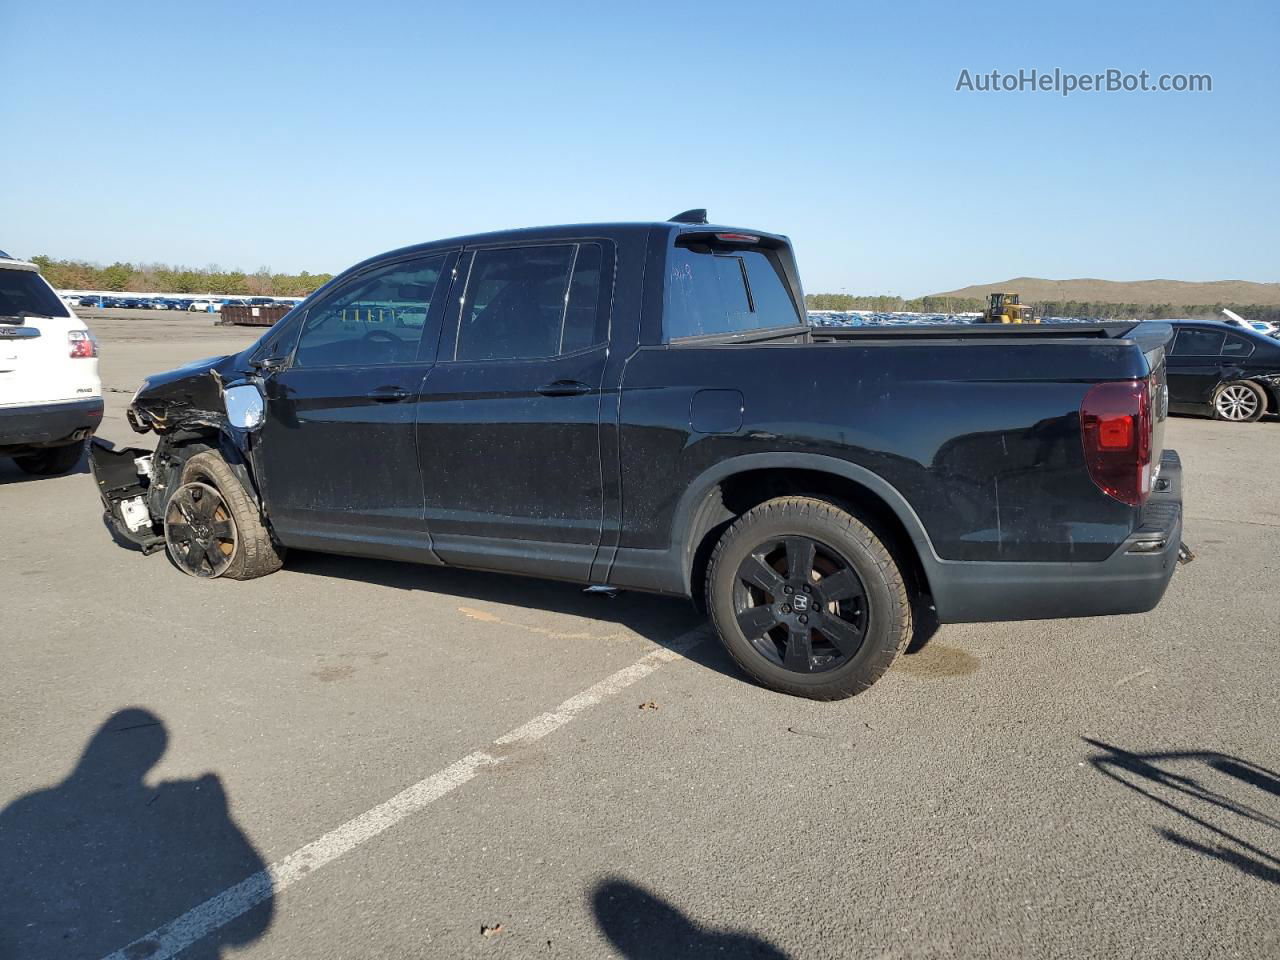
(269, 365)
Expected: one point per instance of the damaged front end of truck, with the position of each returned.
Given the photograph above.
(212, 404)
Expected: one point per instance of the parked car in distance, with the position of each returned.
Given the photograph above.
(50, 393)
(644, 406)
(1231, 318)
(1223, 370)
(202, 306)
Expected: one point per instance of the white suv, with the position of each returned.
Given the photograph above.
(50, 393)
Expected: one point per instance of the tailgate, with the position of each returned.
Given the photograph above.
(36, 365)
(36, 362)
(17, 345)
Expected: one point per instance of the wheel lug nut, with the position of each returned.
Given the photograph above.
(803, 618)
(786, 608)
(807, 588)
(787, 589)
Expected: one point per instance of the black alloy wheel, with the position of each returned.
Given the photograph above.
(199, 531)
(801, 604)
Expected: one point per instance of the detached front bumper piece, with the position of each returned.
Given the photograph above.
(124, 485)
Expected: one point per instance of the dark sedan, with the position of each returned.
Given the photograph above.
(1227, 372)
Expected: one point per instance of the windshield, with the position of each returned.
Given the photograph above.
(23, 293)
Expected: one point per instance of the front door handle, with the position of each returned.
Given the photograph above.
(564, 388)
(388, 394)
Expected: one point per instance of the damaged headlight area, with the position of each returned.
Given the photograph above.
(209, 404)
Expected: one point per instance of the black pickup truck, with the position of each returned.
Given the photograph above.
(645, 406)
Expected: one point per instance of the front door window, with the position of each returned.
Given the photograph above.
(376, 318)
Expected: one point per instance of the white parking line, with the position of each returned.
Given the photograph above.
(178, 934)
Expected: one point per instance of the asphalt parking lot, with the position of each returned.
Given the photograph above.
(434, 763)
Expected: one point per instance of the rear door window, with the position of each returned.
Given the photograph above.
(586, 318)
(1198, 343)
(525, 303)
(722, 291)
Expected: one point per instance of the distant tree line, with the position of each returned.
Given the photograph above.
(162, 278)
(1043, 308)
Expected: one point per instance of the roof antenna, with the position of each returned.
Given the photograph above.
(696, 215)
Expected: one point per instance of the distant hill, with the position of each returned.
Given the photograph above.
(1145, 292)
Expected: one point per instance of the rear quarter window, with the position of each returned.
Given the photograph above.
(727, 290)
(1236, 347)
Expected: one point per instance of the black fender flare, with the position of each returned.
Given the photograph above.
(230, 444)
(700, 489)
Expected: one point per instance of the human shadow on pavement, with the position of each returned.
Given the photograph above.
(643, 926)
(660, 619)
(104, 858)
(1233, 805)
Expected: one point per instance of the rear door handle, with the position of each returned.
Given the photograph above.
(564, 388)
(388, 394)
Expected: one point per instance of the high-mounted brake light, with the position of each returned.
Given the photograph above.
(1116, 427)
(737, 238)
(82, 343)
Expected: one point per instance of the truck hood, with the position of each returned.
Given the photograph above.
(188, 396)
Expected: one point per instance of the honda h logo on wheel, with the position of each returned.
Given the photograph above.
(800, 602)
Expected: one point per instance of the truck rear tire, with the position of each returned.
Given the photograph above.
(51, 460)
(254, 554)
(807, 600)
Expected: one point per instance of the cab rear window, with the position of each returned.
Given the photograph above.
(724, 290)
(23, 293)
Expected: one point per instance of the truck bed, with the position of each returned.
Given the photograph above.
(1112, 330)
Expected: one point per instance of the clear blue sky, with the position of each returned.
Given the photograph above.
(308, 136)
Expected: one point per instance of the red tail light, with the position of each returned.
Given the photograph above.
(82, 343)
(1115, 423)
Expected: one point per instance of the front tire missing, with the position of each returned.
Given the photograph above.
(254, 554)
(864, 615)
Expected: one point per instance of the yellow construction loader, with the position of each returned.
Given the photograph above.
(1006, 308)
